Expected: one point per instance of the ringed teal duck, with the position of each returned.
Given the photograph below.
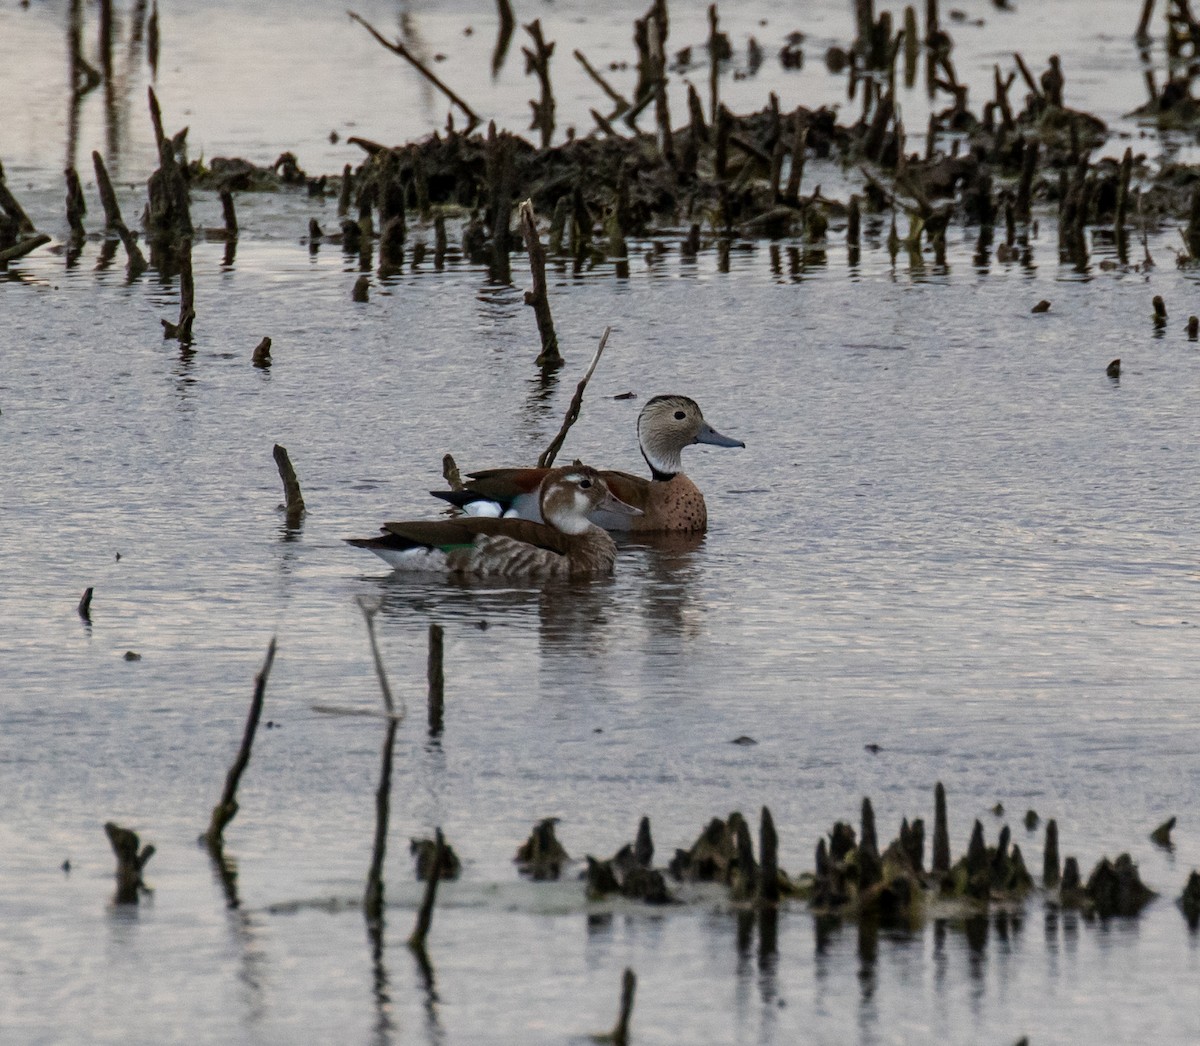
(567, 545)
(668, 500)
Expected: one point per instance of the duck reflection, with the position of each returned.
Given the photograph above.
(571, 615)
(669, 565)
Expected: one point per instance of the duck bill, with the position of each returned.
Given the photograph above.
(708, 434)
(612, 503)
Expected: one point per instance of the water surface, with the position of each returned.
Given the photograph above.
(950, 534)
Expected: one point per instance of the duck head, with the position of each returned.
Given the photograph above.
(568, 495)
(666, 425)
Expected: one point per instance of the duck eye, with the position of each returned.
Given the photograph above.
(679, 415)
(585, 483)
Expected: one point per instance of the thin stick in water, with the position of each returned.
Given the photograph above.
(437, 679)
(227, 808)
(399, 49)
(620, 1033)
(549, 454)
(373, 897)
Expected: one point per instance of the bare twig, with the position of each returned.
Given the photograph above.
(618, 99)
(227, 808)
(549, 454)
(373, 897)
(369, 613)
(399, 49)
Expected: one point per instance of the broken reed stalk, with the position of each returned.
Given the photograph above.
(537, 298)
(227, 808)
(399, 49)
(768, 851)
(538, 61)
(620, 1032)
(113, 221)
(437, 679)
(293, 500)
(656, 33)
(714, 62)
(799, 144)
(76, 206)
(425, 913)
(1025, 185)
(130, 862)
(187, 297)
(549, 454)
(85, 605)
(941, 833)
(169, 214)
(230, 215)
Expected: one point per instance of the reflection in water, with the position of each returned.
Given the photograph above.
(672, 570)
(868, 957)
(940, 961)
(384, 1025)
(242, 929)
(83, 78)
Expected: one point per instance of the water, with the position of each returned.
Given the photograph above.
(950, 534)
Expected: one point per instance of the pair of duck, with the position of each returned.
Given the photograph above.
(544, 524)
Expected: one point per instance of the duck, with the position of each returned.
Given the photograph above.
(668, 501)
(566, 546)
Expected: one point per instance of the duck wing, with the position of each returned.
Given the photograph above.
(447, 534)
(631, 489)
(508, 489)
